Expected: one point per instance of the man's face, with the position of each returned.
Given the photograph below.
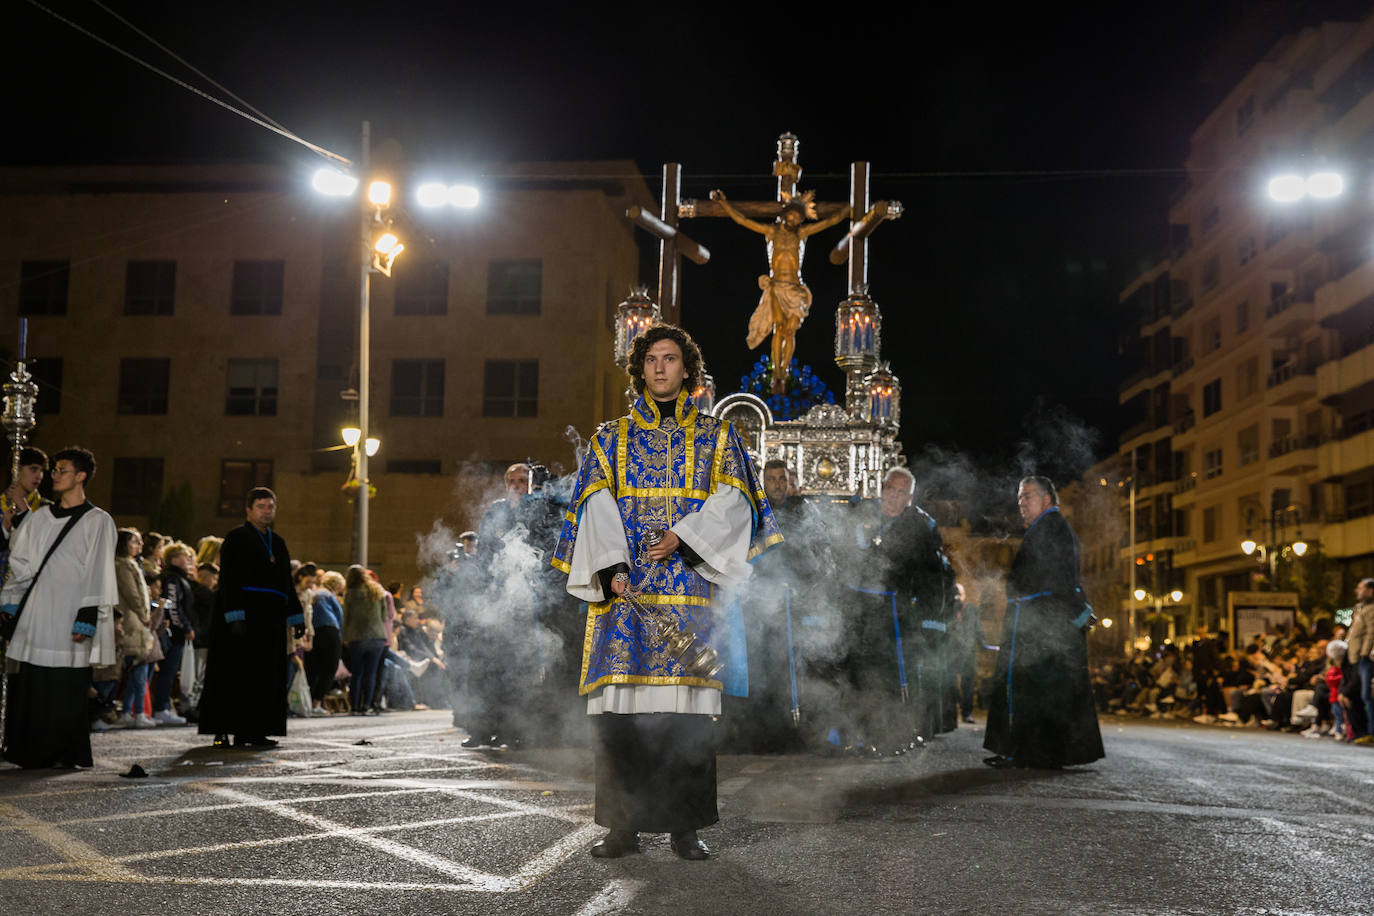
(775, 485)
(263, 512)
(66, 478)
(664, 370)
(1364, 592)
(517, 484)
(30, 476)
(207, 578)
(411, 619)
(469, 546)
(896, 495)
(1032, 501)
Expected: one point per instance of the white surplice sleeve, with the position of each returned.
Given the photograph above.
(600, 544)
(720, 532)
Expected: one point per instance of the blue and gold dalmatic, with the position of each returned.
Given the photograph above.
(658, 469)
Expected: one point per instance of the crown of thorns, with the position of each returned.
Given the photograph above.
(804, 203)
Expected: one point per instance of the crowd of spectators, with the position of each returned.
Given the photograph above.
(1293, 679)
(365, 650)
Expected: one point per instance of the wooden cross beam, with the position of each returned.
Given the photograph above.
(672, 243)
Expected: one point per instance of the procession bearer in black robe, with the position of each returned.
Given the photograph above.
(245, 673)
(1041, 714)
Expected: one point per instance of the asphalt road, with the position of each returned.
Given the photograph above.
(1178, 818)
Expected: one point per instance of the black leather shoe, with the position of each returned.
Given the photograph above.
(220, 741)
(999, 762)
(616, 844)
(687, 846)
(264, 743)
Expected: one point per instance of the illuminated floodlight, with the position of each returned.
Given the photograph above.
(1140, 594)
(388, 243)
(379, 193)
(333, 182)
(372, 446)
(464, 196)
(431, 194)
(1325, 185)
(351, 435)
(1176, 595)
(1287, 188)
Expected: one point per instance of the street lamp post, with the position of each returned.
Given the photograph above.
(366, 218)
(1269, 552)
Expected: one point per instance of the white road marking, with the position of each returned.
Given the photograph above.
(613, 898)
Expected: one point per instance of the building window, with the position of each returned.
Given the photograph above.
(136, 486)
(1245, 250)
(150, 287)
(1211, 397)
(414, 466)
(257, 288)
(1247, 445)
(143, 385)
(1211, 334)
(1210, 218)
(251, 388)
(43, 287)
(48, 374)
(417, 387)
(1211, 273)
(1242, 317)
(236, 477)
(1247, 378)
(1211, 464)
(514, 287)
(422, 288)
(1209, 524)
(510, 388)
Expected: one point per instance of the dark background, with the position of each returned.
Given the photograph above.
(1034, 149)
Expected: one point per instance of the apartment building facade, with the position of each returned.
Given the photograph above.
(1253, 408)
(197, 328)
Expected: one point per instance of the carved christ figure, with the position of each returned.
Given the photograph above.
(786, 300)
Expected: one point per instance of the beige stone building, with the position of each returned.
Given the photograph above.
(1252, 413)
(197, 328)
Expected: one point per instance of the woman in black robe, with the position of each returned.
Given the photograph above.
(1041, 714)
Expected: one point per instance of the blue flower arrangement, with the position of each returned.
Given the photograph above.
(804, 389)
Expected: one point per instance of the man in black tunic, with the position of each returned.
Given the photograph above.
(1041, 714)
(245, 674)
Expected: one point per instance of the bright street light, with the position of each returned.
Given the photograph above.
(464, 196)
(379, 193)
(1176, 595)
(1287, 188)
(1248, 546)
(1106, 623)
(372, 446)
(333, 182)
(351, 435)
(1325, 185)
(1300, 547)
(387, 243)
(1140, 594)
(431, 194)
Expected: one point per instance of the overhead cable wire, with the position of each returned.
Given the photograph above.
(188, 65)
(295, 138)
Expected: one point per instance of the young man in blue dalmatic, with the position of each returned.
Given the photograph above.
(667, 509)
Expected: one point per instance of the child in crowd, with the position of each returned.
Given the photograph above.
(1335, 651)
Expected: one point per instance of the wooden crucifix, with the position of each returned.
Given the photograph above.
(672, 243)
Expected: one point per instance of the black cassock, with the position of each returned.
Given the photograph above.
(245, 678)
(1041, 713)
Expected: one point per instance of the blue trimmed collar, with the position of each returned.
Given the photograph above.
(645, 411)
(1040, 516)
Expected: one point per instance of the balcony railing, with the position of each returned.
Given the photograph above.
(1181, 308)
(1182, 366)
(1184, 423)
(1288, 371)
(1288, 300)
(1184, 485)
(1294, 443)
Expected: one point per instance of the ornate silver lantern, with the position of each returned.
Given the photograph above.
(704, 394)
(882, 398)
(858, 341)
(633, 317)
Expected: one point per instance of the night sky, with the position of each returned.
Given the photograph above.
(1034, 150)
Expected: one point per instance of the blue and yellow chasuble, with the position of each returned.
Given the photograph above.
(658, 470)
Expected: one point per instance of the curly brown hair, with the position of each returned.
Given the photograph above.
(691, 355)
